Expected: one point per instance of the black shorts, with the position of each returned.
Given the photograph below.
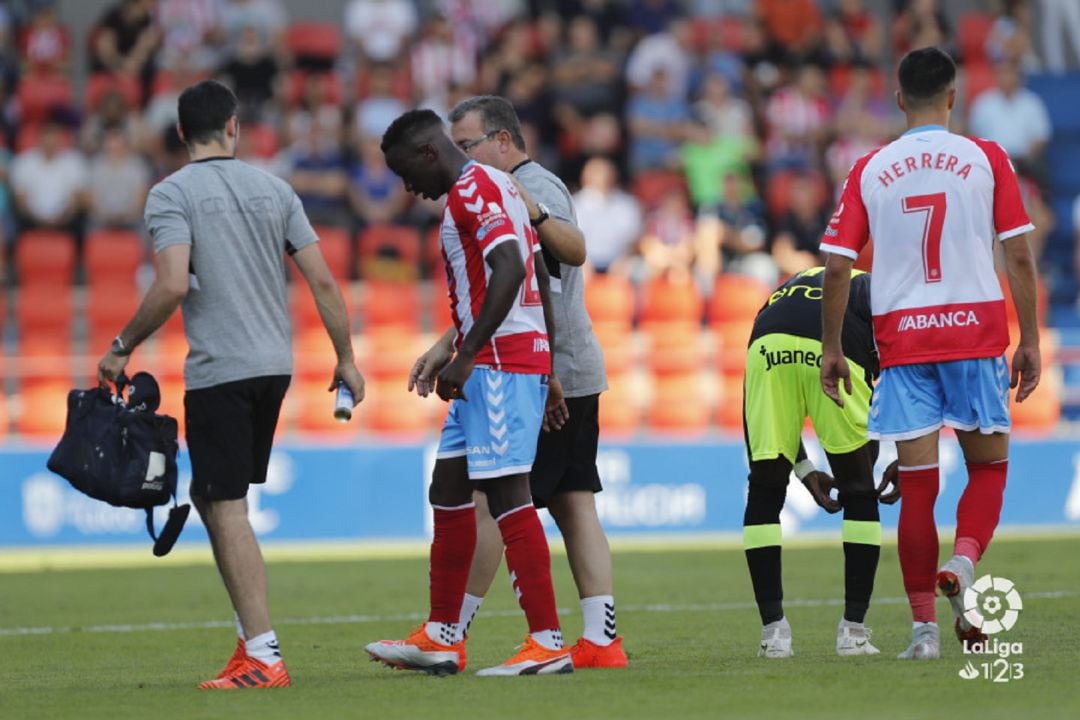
(566, 459)
(230, 430)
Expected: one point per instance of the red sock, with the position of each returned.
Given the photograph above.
(918, 539)
(451, 557)
(529, 562)
(979, 510)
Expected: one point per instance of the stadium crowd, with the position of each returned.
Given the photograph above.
(703, 139)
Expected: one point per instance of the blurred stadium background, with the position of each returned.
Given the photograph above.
(704, 139)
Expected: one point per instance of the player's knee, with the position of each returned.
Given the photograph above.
(860, 506)
(763, 504)
(506, 493)
(573, 509)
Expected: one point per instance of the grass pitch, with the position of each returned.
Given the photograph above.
(134, 642)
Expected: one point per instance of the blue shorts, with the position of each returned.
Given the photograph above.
(910, 401)
(496, 429)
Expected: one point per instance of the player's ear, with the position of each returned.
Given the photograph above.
(180, 132)
(232, 126)
(428, 152)
(952, 97)
(900, 102)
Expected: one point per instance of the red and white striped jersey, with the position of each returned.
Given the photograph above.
(933, 203)
(484, 209)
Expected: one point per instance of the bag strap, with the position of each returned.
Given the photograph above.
(164, 541)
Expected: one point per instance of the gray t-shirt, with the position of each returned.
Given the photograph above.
(579, 361)
(240, 222)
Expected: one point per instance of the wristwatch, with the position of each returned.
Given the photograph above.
(539, 219)
(118, 347)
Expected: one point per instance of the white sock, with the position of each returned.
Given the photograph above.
(550, 639)
(442, 633)
(239, 627)
(599, 614)
(264, 648)
(469, 607)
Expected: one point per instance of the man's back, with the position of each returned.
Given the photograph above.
(579, 361)
(240, 221)
(934, 202)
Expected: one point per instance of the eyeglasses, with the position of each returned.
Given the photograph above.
(467, 145)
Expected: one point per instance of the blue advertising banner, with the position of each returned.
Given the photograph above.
(371, 492)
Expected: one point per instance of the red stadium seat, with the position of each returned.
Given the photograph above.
(610, 300)
(113, 257)
(43, 408)
(972, 31)
(977, 79)
(729, 415)
(1010, 308)
(389, 409)
(734, 338)
(840, 81)
(438, 305)
(617, 342)
(102, 83)
(736, 298)
(41, 94)
(336, 247)
(390, 351)
(674, 348)
(1041, 411)
(314, 40)
(311, 410)
(262, 140)
(388, 304)
(305, 313)
(679, 405)
(651, 186)
(44, 311)
(45, 258)
(5, 415)
(668, 301)
(389, 252)
(108, 309)
(620, 409)
(313, 356)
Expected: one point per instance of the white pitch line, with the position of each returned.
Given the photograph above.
(415, 617)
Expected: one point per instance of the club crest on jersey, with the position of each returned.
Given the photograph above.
(926, 321)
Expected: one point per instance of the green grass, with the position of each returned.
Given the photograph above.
(692, 656)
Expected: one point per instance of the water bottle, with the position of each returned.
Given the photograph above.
(343, 403)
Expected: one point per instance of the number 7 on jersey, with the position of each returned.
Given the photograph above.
(934, 207)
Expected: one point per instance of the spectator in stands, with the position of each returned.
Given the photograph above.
(921, 23)
(609, 217)
(49, 182)
(317, 170)
(119, 181)
(861, 133)
(719, 143)
(444, 57)
(376, 194)
(648, 17)
(126, 40)
(735, 225)
(669, 243)
(853, 34)
(251, 70)
(380, 106)
(267, 17)
(797, 116)
(585, 77)
(1060, 22)
(45, 42)
(113, 111)
(795, 245)
(191, 33)
(794, 25)
(9, 55)
(864, 104)
(380, 29)
(657, 124)
(316, 108)
(1012, 116)
(671, 51)
(160, 113)
(1011, 36)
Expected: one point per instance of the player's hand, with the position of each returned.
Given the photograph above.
(427, 367)
(556, 413)
(891, 476)
(450, 384)
(110, 366)
(1026, 370)
(346, 372)
(834, 371)
(821, 485)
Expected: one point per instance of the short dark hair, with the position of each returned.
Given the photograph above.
(203, 110)
(496, 113)
(924, 75)
(407, 125)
